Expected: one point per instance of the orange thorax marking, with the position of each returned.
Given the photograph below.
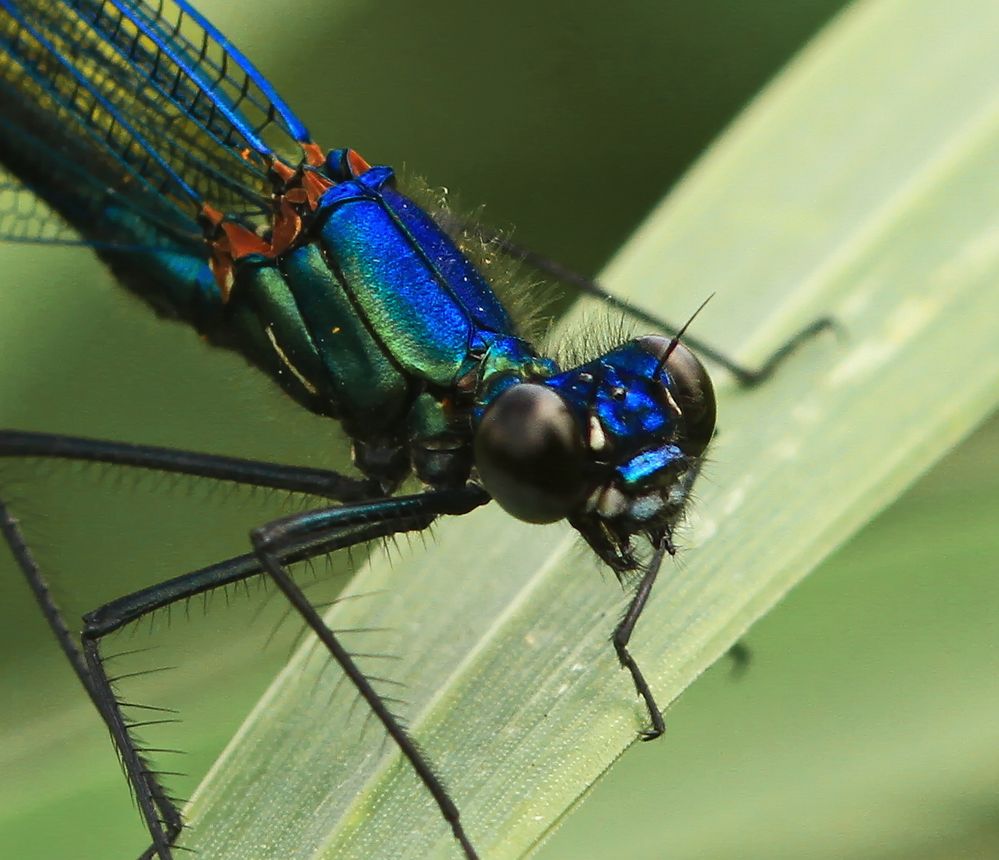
(231, 241)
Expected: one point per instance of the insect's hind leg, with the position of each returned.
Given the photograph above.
(152, 798)
(159, 810)
(353, 524)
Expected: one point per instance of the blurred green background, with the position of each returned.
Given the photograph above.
(866, 725)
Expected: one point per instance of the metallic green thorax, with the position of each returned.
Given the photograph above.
(381, 322)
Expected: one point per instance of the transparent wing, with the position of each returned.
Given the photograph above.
(146, 100)
(24, 217)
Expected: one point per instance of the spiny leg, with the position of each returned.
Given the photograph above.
(154, 793)
(28, 565)
(126, 610)
(299, 537)
(158, 809)
(163, 819)
(21, 444)
(273, 542)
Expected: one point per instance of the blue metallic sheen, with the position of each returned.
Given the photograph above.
(619, 388)
(420, 295)
(646, 465)
(422, 325)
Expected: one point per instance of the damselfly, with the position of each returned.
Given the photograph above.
(159, 145)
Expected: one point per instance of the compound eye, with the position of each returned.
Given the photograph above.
(529, 454)
(691, 389)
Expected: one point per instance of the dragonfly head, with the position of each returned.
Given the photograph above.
(612, 445)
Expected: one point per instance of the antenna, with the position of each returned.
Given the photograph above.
(675, 342)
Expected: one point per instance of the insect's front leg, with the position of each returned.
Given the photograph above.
(622, 636)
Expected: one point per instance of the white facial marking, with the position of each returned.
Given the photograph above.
(612, 503)
(598, 440)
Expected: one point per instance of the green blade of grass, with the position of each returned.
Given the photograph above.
(862, 185)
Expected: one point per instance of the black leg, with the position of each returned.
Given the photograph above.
(163, 819)
(158, 810)
(276, 542)
(256, 473)
(25, 560)
(746, 376)
(626, 626)
(302, 536)
(150, 796)
(276, 545)
(153, 801)
(624, 629)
